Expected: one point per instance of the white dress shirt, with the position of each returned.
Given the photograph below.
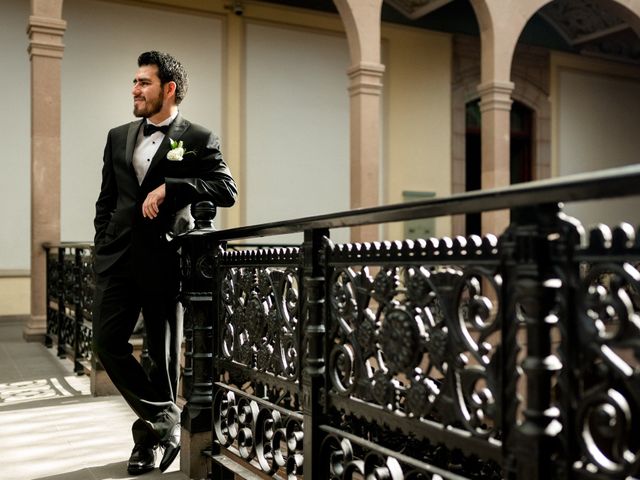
(146, 148)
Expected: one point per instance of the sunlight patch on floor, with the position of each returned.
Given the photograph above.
(43, 389)
(65, 437)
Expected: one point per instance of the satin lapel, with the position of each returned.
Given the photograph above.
(175, 132)
(132, 136)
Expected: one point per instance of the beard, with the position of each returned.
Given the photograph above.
(150, 107)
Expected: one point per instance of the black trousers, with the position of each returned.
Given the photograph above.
(122, 292)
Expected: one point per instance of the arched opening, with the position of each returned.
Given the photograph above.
(593, 77)
(521, 152)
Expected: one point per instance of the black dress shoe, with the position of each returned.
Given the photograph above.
(171, 446)
(142, 460)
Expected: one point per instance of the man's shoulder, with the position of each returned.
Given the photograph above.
(196, 128)
(124, 128)
(201, 133)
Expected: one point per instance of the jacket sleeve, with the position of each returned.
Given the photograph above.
(209, 179)
(106, 202)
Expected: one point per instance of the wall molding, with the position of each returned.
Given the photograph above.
(5, 273)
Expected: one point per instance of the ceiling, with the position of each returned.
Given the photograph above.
(593, 27)
(588, 27)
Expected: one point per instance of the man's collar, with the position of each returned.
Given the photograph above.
(166, 121)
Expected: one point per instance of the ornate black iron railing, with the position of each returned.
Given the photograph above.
(497, 357)
(70, 288)
(515, 356)
(70, 293)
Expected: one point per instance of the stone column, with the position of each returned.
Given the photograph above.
(495, 107)
(362, 25)
(365, 89)
(46, 29)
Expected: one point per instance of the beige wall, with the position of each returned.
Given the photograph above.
(417, 106)
(14, 295)
(596, 113)
(297, 125)
(16, 140)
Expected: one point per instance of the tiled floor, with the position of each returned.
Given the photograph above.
(51, 428)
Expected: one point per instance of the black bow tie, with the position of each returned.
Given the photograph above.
(150, 129)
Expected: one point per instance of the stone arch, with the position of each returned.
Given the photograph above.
(361, 21)
(501, 27)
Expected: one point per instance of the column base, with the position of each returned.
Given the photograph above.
(192, 462)
(35, 328)
(100, 383)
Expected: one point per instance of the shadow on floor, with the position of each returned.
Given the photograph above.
(113, 471)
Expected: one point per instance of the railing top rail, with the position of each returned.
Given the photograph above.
(67, 244)
(609, 183)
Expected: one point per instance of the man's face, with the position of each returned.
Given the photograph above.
(148, 93)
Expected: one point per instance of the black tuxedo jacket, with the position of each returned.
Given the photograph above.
(119, 225)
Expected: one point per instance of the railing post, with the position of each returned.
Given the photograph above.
(530, 299)
(78, 318)
(52, 315)
(61, 307)
(198, 273)
(314, 352)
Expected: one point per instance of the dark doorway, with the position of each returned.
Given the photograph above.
(521, 144)
(521, 152)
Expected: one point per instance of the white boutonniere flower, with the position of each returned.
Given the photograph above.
(177, 151)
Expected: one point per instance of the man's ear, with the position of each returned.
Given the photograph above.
(170, 89)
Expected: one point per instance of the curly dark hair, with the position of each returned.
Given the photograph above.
(169, 70)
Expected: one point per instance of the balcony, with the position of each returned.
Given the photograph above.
(510, 356)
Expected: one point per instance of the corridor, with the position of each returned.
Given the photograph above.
(52, 428)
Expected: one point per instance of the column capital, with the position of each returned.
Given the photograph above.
(495, 95)
(365, 78)
(45, 36)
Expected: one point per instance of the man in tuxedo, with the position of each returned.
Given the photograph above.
(154, 168)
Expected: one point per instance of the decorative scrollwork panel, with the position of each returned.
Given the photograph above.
(70, 279)
(258, 432)
(67, 334)
(608, 374)
(84, 341)
(88, 283)
(419, 337)
(54, 283)
(52, 321)
(346, 456)
(260, 328)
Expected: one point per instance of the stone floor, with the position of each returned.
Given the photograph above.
(51, 428)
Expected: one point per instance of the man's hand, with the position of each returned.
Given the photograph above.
(151, 205)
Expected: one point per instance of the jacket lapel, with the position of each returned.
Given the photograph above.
(132, 136)
(176, 129)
